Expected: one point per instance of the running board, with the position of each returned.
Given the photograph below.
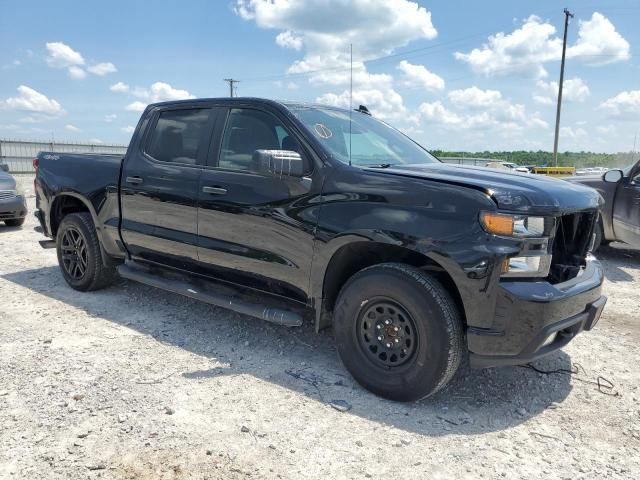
(47, 243)
(199, 291)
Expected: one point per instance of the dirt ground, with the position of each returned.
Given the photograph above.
(133, 382)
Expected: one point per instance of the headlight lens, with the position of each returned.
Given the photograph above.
(513, 225)
(535, 266)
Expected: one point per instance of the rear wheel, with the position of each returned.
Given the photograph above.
(79, 255)
(398, 331)
(15, 222)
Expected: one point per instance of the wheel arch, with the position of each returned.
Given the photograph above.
(351, 255)
(67, 203)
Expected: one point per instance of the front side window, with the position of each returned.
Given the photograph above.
(361, 139)
(177, 135)
(248, 130)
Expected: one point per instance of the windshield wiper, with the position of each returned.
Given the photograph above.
(378, 165)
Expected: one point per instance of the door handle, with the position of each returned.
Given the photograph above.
(134, 180)
(214, 190)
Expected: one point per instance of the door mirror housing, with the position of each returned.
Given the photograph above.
(278, 163)
(612, 176)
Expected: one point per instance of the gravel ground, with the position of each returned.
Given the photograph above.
(133, 382)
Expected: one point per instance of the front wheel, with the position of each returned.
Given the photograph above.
(398, 331)
(78, 249)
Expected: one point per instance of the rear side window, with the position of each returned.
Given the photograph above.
(177, 135)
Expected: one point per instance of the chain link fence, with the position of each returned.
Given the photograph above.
(16, 156)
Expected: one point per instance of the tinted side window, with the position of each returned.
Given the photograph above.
(249, 130)
(177, 135)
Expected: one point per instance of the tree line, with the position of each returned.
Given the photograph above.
(543, 158)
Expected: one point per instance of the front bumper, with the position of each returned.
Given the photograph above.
(528, 313)
(13, 208)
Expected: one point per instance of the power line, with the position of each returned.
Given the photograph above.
(232, 89)
(567, 14)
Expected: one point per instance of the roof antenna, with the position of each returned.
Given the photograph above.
(350, 97)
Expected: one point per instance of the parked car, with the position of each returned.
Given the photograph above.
(263, 208)
(13, 207)
(508, 165)
(620, 217)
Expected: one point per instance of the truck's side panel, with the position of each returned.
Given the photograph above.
(91, 180)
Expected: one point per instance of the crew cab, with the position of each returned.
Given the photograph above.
(620, 217)
(294, 212)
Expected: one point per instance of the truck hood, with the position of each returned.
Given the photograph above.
(518, 192)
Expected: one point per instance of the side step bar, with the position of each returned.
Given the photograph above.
(47, 243)
(184, 287)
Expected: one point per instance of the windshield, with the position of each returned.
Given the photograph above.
(372, 142)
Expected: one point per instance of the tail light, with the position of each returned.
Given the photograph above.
(35, 168)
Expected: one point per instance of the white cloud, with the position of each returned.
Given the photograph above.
(71, 128)
(475, 109)
(161, 92)
(419, 76)
(574, 90)
(625, 105)
(61, 55)
(324, 29)
(119, 87)
(435, 112)
(128, 129)
(570, 132)
(386, 105)
(289, 40)
(110, 117)
(95, 140)
(102, 69)
(525, 50)
(606, 129)
(474, 97)
(599, 42)
(31, 100)
(522, 51)
(136, 107)
(76, 73)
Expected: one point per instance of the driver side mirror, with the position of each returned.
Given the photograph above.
(278, 163)
(612, 176)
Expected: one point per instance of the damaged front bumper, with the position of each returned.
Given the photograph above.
(535, 318)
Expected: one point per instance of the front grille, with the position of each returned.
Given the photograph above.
(7, 194)
(571, 244)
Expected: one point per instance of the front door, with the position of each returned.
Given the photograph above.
(160, 187)
(626, 208)
(255, 229)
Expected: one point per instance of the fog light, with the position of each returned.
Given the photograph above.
(536, 266)
(549, 340)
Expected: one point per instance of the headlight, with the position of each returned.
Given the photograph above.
(515, 225)
(535, 266)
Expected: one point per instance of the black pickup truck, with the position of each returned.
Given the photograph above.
(289, 211)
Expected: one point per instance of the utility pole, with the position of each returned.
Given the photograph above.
(567, 14)
(231, 83)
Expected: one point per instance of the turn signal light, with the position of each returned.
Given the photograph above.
(497, 223)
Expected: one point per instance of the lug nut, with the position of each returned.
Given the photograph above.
(395, 329)
(387, 321)
(379, 327)
(388, 345)
(397, 340)
(380, 339)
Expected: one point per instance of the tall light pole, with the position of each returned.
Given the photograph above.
(567, 14)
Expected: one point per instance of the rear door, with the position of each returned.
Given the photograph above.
(160, 183)
(626, 208)
(255, 229)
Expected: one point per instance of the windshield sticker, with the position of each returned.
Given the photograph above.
(322, 131)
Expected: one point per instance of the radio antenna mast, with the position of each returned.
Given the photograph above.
(350, 97)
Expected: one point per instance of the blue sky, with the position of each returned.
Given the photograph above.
(453, 74)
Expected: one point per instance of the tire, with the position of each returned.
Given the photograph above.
(79, 254)
(418, 309)
(15, 222)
